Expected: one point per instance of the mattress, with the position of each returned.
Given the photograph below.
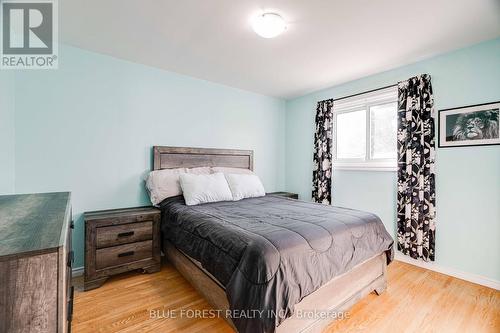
(271, 252)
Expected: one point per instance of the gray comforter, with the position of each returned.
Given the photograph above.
(271, 252)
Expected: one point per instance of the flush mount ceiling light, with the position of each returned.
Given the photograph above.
(268, 25)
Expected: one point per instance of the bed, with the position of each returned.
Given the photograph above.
(271, 264)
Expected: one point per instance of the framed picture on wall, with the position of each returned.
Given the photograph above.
(474, 125)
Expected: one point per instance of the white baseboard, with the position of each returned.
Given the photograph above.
(474, 278)
(77, 271)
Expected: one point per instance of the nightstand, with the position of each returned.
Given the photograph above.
(286, 194)
(120, 240)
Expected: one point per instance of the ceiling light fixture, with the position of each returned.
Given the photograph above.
(268, 25)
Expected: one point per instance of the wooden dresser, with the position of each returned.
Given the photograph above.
(35, 263)
(120, 240)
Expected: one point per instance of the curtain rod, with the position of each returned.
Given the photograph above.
(364, 92)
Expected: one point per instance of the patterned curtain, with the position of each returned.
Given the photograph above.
(416, 184)
(322, 159)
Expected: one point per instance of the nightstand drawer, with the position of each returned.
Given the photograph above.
(123, 254)
(124, 234)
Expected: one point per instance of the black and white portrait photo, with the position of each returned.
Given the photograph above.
(469, 126)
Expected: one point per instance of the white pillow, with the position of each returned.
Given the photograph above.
(245, 186)
(198, 189)
(226, 171)
(162, 184)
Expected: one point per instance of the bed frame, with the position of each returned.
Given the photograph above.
(338, 295)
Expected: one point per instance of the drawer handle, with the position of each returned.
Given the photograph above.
(126, 254)
(126, 234)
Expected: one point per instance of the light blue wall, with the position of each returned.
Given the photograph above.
(88, 127)
(467, 180)
(7, 161)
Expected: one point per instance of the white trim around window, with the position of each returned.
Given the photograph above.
(366, 166)
(364, 102)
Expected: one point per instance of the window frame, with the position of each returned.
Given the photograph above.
(363, 102)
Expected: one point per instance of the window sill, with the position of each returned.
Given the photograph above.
(366, 167)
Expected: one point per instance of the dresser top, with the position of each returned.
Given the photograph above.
(33, 223)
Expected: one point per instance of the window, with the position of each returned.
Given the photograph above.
(365, 131)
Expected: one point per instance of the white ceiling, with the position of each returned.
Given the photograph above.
(327, 42)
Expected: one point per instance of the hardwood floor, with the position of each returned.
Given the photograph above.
(417, 300)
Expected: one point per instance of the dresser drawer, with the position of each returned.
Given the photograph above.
(123, 254)
(124, 234)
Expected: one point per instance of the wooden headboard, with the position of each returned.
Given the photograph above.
(182, 157)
